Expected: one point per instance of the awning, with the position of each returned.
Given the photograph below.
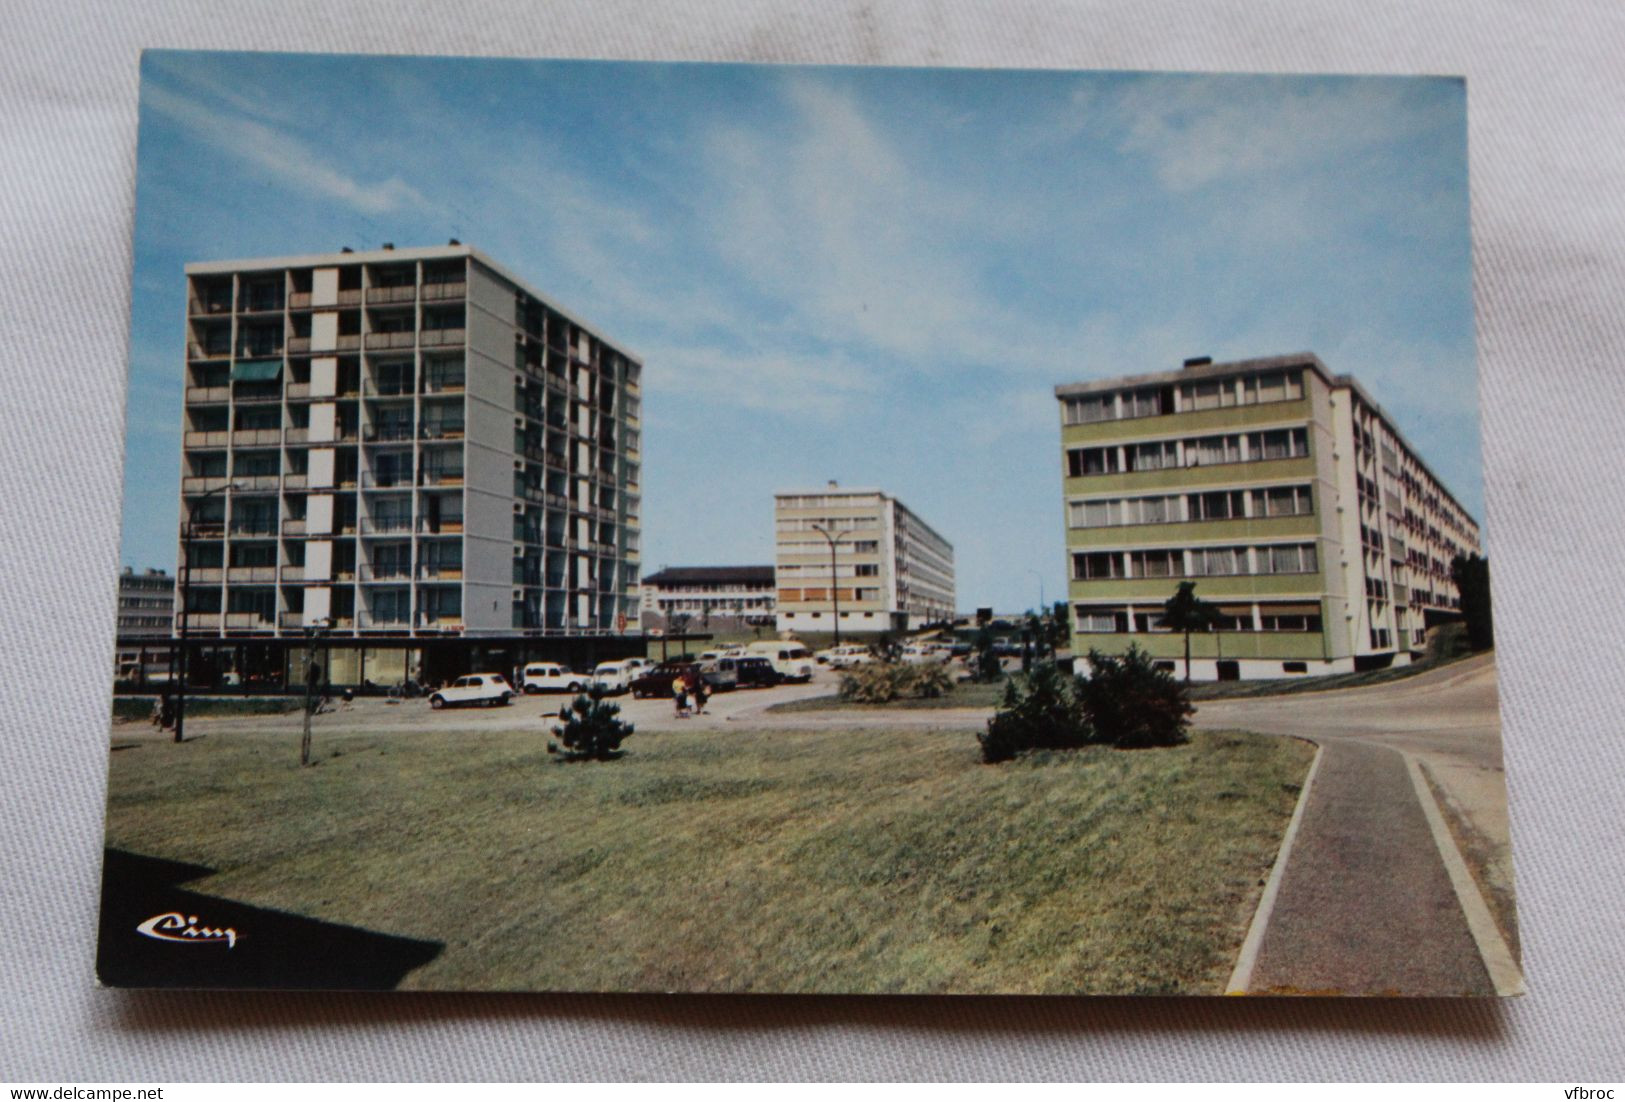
(256, 371)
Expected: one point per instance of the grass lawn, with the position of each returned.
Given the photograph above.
(833, 861)
(966, 695)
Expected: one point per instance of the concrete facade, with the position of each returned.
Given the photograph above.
(1283, 491)
(714, 598)
(893, 572)
(404, 442)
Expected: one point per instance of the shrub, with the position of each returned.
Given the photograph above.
(1131, 704)
(1045, 716)
(984, 663)
(883, 682)
(591, 730)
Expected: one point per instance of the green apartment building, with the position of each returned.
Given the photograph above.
(1283, 491)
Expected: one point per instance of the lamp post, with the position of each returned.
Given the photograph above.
(834, 585)
(186, 607)
(312, 630)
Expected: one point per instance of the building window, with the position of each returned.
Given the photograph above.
(1218, 505)
(1289, 618)
(1097, 564)
(1279, 444)
(1294, 667)
(1153, 457)
(1218, 561)
(1283, 501)
(1288, 559)
(1157, 564)
(1273, 386)
(1210, 395)
(1092, 620)
(1208, 451)
(1092, 408)
(1142, 403)
(1091, 461)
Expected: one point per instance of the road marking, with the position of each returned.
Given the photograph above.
(1492, 948)
(1242, 975)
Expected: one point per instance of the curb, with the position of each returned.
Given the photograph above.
(1242, 975)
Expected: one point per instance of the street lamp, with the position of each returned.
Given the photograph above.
(186, 606)
(834, 586)
(312, 630)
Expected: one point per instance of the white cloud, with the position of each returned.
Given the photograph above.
(821, 387)
(281, 156)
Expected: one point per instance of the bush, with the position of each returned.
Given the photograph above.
(883, 682)
(1047, 715)
(985, 666)
(1131, 704)
(591, 730)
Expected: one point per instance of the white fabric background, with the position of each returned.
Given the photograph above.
(1546, 86)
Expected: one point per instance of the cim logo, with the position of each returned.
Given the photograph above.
(175, 926)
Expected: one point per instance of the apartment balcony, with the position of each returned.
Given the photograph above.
(204, 529)
(196, 351)
(299, 300)
(601, 548)
(443, 338)
(254, 437)
(390, 340)
(298, 345)
(386, 526)
(440, 478)
(253, 529)
(300, 435)
(203, 484)
(347, 342)
(445, 622)
(256, 483)
(398, 481)
(379, 433)
(389, 388)
(350, 297)
(556, 462)
(203, 307)
(397, 573)
(439, 572)
(195, 621)
(395, 622)
(248, 621)
(443, 527)
(238, 575)
(442, 292)
(291, 621)
(206, 575)
(557, 385)
(247, 395)
(385, 295)
(442, 430)
(603, 477)
(444, 384)
(200, 395)
(294, 526)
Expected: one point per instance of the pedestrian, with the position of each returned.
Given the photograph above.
(702, 692)
(679, 696)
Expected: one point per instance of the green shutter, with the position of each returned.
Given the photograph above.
(256, 371)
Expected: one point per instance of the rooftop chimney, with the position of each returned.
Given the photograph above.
(346, 249)
(1198, 361)
(834, 485)
(454, 241)
(389, 246)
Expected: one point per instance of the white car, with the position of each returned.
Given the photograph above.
(477, 688)
(845, 657)
(614, 677)
(550, 677)
(793, 661)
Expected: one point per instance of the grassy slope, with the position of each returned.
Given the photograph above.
(834, 861)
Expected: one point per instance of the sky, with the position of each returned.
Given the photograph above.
(876, 276)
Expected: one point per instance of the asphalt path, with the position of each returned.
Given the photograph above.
(1366, 904)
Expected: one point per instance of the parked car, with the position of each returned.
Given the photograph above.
(477, 688)
(792, 660)
(550, 677)
(658, 681)
(750, 671)
(845, 657)
(614, 677)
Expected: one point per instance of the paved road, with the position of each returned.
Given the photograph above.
(1366, 904)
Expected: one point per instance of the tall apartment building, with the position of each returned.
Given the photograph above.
(892, 571)
(1283, 491)
(403, 443)
(712, 597)
(146, 610)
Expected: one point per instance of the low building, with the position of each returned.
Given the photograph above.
(1283, 491)
(861, 557)
(146, 608)
(711, 598)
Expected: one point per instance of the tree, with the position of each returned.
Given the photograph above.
(677, 622)
(1130, 704)
(1471, 575)
(1060, 626)
(1186, 612)
(1047, 715)
(985, 665)
(591, 729)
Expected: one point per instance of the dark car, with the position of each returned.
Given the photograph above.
(750, 672)
(657, 682)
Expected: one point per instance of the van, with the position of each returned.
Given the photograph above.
(791, 660)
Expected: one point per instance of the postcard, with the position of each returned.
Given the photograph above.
(627, 527)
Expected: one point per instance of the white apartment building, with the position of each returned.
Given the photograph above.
(403, 443)
(712, 598)
(861, 550)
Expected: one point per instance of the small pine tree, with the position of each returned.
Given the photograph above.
(591, 729)
(1046, 716)
(985, 665)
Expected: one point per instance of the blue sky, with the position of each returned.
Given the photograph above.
(870, 275)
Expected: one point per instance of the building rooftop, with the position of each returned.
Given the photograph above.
(761, 576)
